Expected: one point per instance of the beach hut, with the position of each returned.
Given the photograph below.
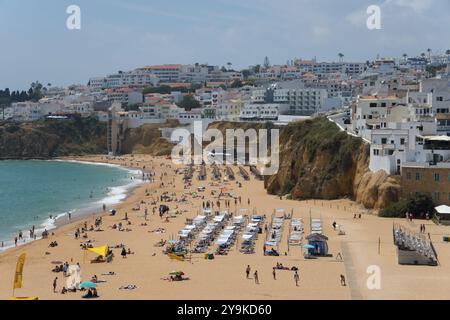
(319, 242)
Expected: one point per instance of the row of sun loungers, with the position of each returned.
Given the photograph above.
(209, 231)
(275, 232)
(296, 232)
(216, 172)
(229, 173)
(188, 173)
(256, 172)
(202, 172)
(251, 234)
(244, 173)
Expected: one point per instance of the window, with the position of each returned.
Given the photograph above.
(402, 141)
(437, 177)
(437, 196)
(408, 176)
(417, 176)
(383, 140)
(440, 99)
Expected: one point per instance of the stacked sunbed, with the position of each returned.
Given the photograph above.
(199, 221)
(316, 226)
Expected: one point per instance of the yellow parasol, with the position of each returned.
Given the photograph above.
(101, 251)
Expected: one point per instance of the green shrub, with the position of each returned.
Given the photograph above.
(417, 206)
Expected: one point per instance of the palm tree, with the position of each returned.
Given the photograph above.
(429, 53)
(341, 57)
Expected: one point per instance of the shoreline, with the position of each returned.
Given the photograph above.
(83, 212)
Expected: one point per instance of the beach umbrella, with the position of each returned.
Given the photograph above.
(308, 246)
(87, 285)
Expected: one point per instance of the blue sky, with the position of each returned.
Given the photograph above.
(122, 35)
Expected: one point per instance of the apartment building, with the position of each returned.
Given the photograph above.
(262, 112)
(125, 96)
(432, 180)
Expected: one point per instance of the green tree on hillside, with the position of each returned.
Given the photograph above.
(189, 102)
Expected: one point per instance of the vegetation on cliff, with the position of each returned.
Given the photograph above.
(52, 138)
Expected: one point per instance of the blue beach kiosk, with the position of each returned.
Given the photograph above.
(318, 243)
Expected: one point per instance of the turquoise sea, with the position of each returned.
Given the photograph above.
(32, 190)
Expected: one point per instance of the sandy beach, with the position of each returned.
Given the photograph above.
(224, 277)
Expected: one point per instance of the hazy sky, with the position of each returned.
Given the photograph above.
(122, 35)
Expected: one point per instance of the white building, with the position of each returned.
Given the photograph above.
(262, 112)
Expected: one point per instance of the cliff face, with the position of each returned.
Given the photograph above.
(317, 161)
(147, 140)
(47, 139)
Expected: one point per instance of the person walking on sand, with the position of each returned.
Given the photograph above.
(264, 249)
(124, 253)
(274, 274)
(343, 280)
(54, 284)
(255, 275)
(247, 271)
(296, 278)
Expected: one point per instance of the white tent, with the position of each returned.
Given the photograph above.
(443, 209)
(74, 279)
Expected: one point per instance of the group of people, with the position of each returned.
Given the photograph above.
(274, 274)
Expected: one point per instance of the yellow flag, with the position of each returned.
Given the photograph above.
(19, 270)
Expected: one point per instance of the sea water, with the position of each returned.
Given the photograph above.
(31, 191)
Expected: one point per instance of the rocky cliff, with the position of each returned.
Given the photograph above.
(147, 140)
(317, 161)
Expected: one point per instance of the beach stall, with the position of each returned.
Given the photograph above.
(318, 243)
